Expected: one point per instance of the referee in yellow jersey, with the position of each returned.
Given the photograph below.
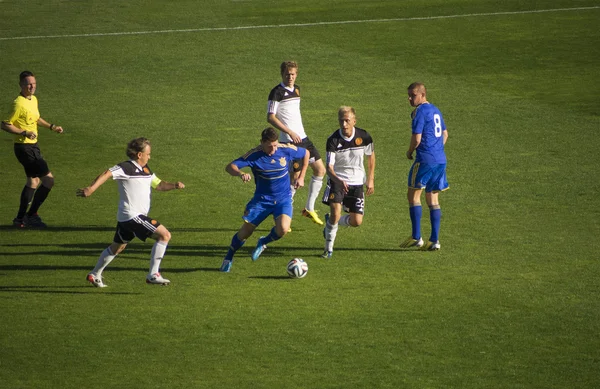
(23, 123)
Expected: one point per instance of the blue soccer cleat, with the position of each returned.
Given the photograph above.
(259, 249)
(226, 265)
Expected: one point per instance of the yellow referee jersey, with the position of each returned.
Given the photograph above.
(25, 115)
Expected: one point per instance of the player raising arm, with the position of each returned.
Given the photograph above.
(135, 181)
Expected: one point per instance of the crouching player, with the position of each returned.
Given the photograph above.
(135, 181)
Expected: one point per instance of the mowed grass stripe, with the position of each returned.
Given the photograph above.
(209, 29)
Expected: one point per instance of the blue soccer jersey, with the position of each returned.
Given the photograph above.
(427, 120)
(271, 173)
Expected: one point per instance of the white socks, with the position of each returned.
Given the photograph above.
(344, 221)
(105, 258)
(314, 187)
(330, 234)
(157, 254)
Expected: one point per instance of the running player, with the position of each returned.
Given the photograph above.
(346, 150)
(270, 164)
(135, 181)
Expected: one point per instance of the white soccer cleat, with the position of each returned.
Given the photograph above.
(95, 280)
(412, 242)
(156, 279)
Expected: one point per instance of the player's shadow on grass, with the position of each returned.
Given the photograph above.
(50, 289)
(164, 269)
(273, 278)
(59, 229)
(141, 251)
(110, 228)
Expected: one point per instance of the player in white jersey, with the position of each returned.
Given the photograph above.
(135, 181)
(283, 113)
(346, 150)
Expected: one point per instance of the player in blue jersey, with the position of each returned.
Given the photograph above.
(271, 165)
(429, 135)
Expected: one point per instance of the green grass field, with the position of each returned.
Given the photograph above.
(511, 300)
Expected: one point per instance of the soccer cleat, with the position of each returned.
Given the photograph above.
(327, 254)
(156, 279)
(431, 246)
(18, 223)
(258, 250)
(411, 242)
(226, 265)
(33, 221)
(95, 280)
(312, 215)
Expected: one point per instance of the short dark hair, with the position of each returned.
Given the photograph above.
(288, 65)
(418, 87)
(269, 134)
(24, 74)
(136, 146)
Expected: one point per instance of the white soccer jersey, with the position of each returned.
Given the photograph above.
(346, 155)
(285, 104)
(135, 186)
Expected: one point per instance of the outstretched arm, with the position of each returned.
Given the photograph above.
(98, 181)
(166, 186)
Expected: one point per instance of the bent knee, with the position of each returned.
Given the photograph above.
(48, 181)
(356, 222)
(163, 236)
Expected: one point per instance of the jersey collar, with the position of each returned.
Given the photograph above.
(286, 87)
(136, 164)
(351, 136)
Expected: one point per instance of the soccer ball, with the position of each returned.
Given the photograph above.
(297, 268)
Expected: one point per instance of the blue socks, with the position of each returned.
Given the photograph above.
(271, 237)
(435, 216)
(416, 211)
(236, 243)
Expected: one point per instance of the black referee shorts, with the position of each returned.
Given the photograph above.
(30, 156)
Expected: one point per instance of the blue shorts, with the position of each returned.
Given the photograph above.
(431, 177)
(258, 209)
